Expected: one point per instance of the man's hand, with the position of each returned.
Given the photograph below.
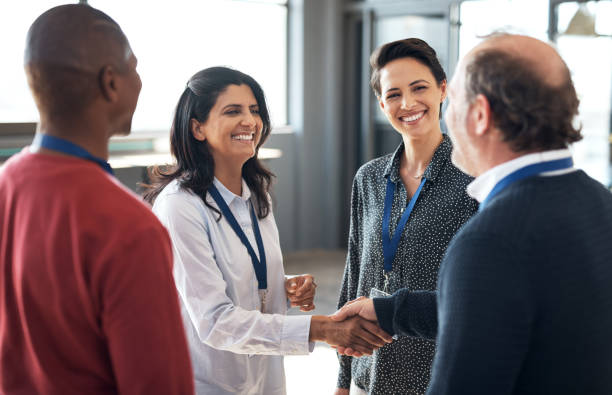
(363, 307)
(301, 291)
(342, 391)
(357, 334)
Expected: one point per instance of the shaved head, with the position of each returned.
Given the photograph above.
(66, 49)
(76, 36)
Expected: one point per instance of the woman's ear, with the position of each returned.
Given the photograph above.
(443, 89)
(197, 130)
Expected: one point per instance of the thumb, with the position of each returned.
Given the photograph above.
(344, 313)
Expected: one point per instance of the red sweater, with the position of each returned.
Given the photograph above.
(87, 301)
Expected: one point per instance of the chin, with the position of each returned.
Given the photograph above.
(123, 130)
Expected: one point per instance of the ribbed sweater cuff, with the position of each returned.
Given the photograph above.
(384, 308)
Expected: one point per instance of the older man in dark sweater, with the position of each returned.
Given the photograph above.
(525, 289)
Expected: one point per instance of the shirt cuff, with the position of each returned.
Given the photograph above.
(295, 334)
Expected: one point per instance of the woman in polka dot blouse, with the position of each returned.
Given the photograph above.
(417, 182)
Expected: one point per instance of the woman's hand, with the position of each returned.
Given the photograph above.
(301, 291)
(342, 391)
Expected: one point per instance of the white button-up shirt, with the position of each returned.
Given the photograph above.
(235, 348)
(480, 188)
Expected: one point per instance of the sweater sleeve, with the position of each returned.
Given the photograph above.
(350, 279)
(140, 316)
(408, 313)
(485, 313)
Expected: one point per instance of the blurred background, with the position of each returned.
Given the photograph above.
(311, 58)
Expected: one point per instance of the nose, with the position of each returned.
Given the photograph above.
(407, 101)
(249, 119)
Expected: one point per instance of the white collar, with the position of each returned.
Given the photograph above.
(228, 195)
(480, 188)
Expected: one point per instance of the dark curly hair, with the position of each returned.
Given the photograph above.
(531, 114)
(195, 167)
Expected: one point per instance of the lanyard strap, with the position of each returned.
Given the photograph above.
(390, 244)
(259, 265)
(68, 148)
(525, 172)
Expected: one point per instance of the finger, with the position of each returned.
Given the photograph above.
(310, 294)
(341, 350)
(306, 285)
(309, 307)
(302, 301)
(370, 338)
(352, 353)
(350, 302)
(290, 285)
(362, 348)
(377, 331)
(345, 312)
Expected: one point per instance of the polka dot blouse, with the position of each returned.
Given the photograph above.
(402, 367)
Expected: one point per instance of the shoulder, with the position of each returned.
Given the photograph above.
(373, 171)
(178, 207)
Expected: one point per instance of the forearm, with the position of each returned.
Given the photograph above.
(408, 313)
(251, 332)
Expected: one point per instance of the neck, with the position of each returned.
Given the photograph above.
(495, 154)
(79, 133)
(418, 153)
(230, 176)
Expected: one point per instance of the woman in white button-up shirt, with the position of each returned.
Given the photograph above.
(236, 335)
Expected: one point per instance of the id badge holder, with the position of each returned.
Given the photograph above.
(377, 293)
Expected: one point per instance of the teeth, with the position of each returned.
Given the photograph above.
(243, 137)
(413, 118)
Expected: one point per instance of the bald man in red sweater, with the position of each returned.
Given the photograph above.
(87, 301)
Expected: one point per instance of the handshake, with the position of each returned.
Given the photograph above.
(353, 330)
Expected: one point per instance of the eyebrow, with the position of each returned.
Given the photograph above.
(239, 106)
(411, 84)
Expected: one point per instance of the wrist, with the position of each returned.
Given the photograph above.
(318, 323)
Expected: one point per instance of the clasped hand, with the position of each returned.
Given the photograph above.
(301, 291)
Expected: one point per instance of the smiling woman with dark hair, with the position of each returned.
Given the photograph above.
(228, 266)
(405, 209)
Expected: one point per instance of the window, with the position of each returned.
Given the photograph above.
(172, 41)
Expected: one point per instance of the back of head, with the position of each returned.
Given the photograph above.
(66, 48)
(529, 89)
(414, 48)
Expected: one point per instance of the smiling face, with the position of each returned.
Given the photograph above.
(410, 97)
(233, 128)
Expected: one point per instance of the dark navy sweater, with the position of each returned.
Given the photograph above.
(525, 295)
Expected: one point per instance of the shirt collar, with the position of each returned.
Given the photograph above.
(229, 196)
(480, 188)
(438, 160)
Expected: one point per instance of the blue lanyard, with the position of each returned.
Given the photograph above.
(259, 265)
(525, 172)
(68, 148)
(390, 244)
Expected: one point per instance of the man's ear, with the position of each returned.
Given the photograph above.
(481, 115)
(197, 130)
(107, 79)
